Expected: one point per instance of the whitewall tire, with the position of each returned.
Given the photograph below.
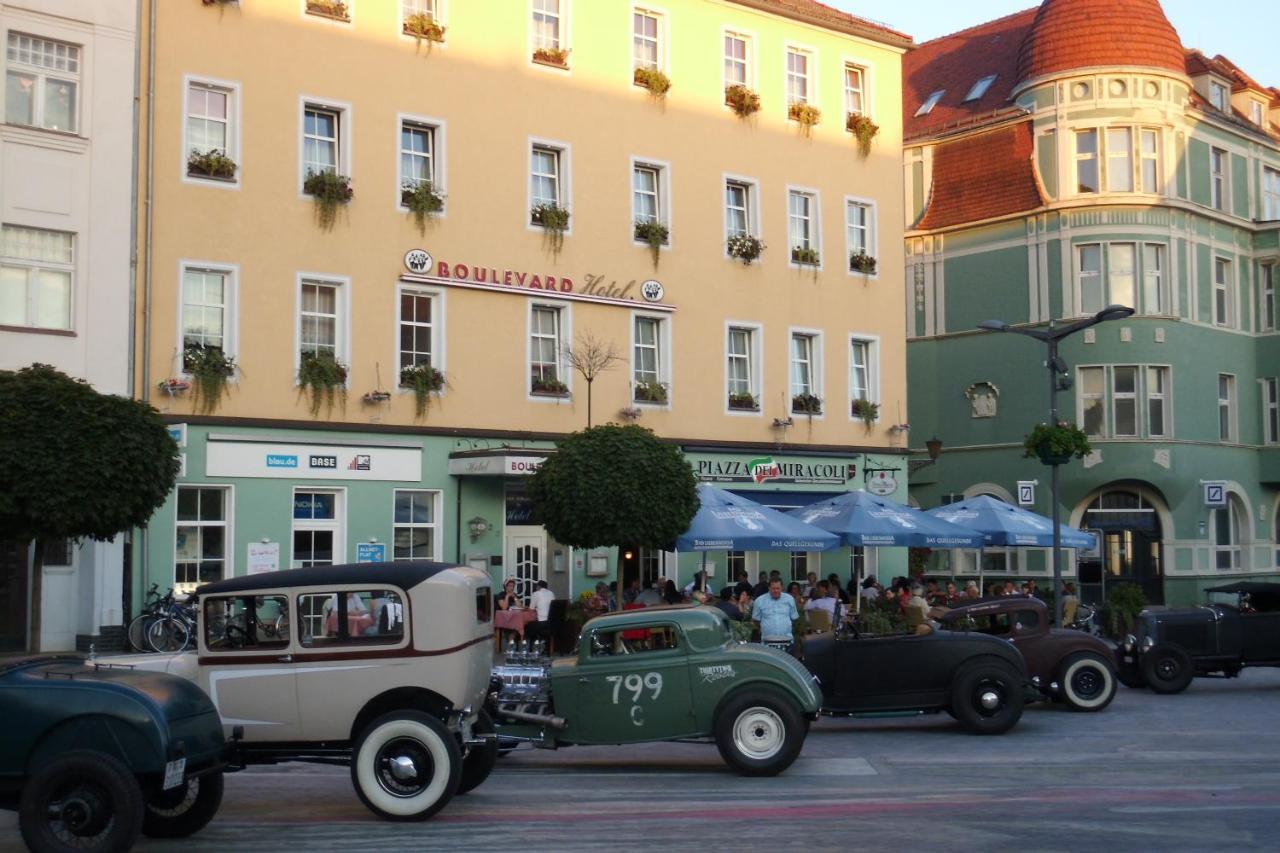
(1088, 682)
(406, 765)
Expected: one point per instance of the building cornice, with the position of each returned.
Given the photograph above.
(866, 30)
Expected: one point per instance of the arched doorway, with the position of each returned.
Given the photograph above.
(1130, 545)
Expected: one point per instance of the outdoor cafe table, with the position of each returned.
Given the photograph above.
(512, 619)
(357, 623)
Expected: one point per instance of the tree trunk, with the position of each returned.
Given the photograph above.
(37, 591)
(589, 404)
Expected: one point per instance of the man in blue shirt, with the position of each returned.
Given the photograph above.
(775, 612)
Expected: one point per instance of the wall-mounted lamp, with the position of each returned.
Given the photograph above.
(934, 448)
(477, 527)
(1202, 528)
(627, 555)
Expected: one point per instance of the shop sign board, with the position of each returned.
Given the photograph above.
(769, 469)
(1026, 492)
(882, 483)
(1215, 493)
(312, 461)
(263, 557)
(371, 552)
(495, 466)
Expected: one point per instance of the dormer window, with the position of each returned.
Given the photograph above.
(980, 88)
(1218, 95)
(1256, 112)
(930, 103)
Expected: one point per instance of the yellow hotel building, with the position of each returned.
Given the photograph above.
(495, 118)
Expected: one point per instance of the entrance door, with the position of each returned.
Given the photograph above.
(525, 558)
(1131, 548)
(13, 596)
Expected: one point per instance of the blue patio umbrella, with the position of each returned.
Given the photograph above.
(727, 522)
(864, 519)
(1005, 524)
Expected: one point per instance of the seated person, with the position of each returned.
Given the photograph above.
(727, 605)
(917, 608)
(507, 598)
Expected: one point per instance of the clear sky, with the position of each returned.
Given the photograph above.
(1245, 31)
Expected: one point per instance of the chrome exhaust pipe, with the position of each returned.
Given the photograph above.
(548, 720)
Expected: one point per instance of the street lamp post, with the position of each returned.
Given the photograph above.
(1057, 368)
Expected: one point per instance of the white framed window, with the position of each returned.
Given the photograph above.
(742, 367)
(648, 48)
(1149, 153)
(431, 10)
(415, 525)
(42, 83)
(37, 271)
(1218, 95)
(1267, 290)
(547, 25)
(859, 223)
(1119, 160)
(979, 88)
(864, 370)
(806, 371)
(1225, 407)
(323, 318)
(855, 89)
(421, 146)
(804, 231)
(1224, 309)
(1270, 194)
(740, 207)
(549, 177)
(1089, 283)
(1155, 291)
(1226, 524)
(1120, 275)
(1219, 176)
(737, 59)
(1124, 401)
(930, 102)
(1087, 161)
(207, 317)
(650, 194)
(549, 375)
(212, 110)
(202, 536)
(420, 321)
(318, 528)
(324, 144)
(800, 567)
(799, 76)
(1271, 410)
(1256, 112)
(650, 359)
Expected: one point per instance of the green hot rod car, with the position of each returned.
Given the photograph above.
(92, 755)
(661, 673)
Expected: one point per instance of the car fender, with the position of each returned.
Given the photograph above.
(137, 740)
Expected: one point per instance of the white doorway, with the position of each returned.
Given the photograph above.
(525, 557)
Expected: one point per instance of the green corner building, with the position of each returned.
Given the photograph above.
(1062, 159)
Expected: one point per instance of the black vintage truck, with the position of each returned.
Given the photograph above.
(1170, 647)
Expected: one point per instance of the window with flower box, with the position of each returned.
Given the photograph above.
(737, 59)
(650, 369)
(548, 373)
(550, 45)
(742, 368)
(647, 48)
(806, 372)
(211, 144)
(803, 228)
(208, 302)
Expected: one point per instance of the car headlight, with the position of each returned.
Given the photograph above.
(1147, 643)
(1129, 642)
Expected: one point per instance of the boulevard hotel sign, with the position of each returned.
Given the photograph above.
(422, 266)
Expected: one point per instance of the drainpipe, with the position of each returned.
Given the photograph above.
(146, 268)
(126, 574)
(457, 525)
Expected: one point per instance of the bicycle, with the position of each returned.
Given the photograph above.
(138, 626)
(173, 628)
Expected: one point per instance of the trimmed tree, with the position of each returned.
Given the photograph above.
(615, 485)
(76, 464)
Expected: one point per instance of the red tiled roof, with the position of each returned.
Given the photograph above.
(823, 15)
(1240, 81)
(983, 176)
(1070, 34)
(954, 63)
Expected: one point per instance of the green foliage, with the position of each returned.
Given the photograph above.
(211, 164)
(1059, 442)
(425, 380)
(745, 247)
(554, 221)
(323, 379)
(75, 463)
(652, 79)
(330, 190)
(742, 400)
(421, 26)
(863, 129)
(552, 387)
(423, 202)
(614, 485)
(743, 631)
(861, 262)
(742, 100)
(881, 621)
(918, 561)
(655, 234)
(1124, 601)
(329, 8)
(867, 411)
(556, 56)
(806, 404)
(805, 255)
(651, 392)
(210, 368)
(806, 115)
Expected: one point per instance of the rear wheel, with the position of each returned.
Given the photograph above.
(138, 632)
(81, 801)
(168, 634)
(406, 765)
(1088, 682)
(184, 810)
(759, 732)
(1167, 669)
(987, 697)
(481, 758)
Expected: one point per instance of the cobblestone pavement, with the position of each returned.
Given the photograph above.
(1196, 771)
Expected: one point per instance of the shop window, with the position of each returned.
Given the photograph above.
(415, 528)
(363, 616)
(317, 528)
(237, 623)
(42, 79)
(36, 272)
(201, 536)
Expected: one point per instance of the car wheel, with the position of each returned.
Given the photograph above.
(184, 810)
(481, 758)
(1088, 682)
(81, 801)
(1167, 669)
(406, 765)
(759, 732)
(987, 697)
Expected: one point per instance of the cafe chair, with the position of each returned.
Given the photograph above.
(819, 621)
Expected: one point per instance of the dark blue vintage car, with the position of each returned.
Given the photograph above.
(91, 756)
(1170, 647)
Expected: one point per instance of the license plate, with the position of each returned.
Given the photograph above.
(174, 773)
(1128, 659)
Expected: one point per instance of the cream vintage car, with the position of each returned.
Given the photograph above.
(382, 666)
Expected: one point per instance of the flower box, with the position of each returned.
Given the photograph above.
(806, 404)
(863, 129)
(805, 256)
(745, 247)
(1057, 444)
(422, 26)
(335, 9)
(741, 100)
(744, 402)
(861, 262)
(548, 388)
(652, 79)
(214, 164)
(650, 392)
(554, 56)
(806, 115)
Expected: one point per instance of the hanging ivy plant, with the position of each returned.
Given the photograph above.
(745, 247)
(1055, 445)
(421, 26)
(866, 411)
(210, 369)
(423, 202)
(323, 379)
(211, 164)
(652, 79)
(554, 221)
(329, 190)
(425, 380)
(863, 129)
(655, 234)
(806, 115)
(742, 100)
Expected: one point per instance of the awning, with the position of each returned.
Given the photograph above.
(780, 499)
(513, 462)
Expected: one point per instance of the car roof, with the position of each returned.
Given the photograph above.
(1250, 587)
(685, 614)
(402, 574)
